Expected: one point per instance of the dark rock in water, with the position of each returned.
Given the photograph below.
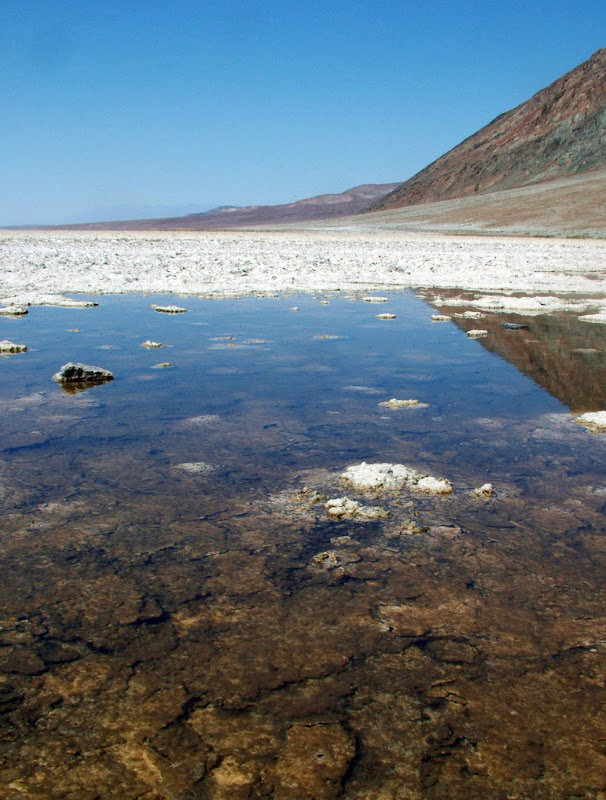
(513, 326)
(77, 377)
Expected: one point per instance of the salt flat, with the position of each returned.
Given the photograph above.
(36, 265)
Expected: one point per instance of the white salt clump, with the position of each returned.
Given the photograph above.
(391, 477)
(162, 365)
(477, 333)
(13, 311)
(373, 299)
(440, 318)
(10, 347)
(196, 467)
(600, 318)
(67, 302)
(40, 299)
(594, 420)
(431, 485)
(169, 309)
(294, 308)
(149, 344)
(485, 490)
(385, 316)
(324, 302)
(471, 315)
(344, 508)
(394, 403)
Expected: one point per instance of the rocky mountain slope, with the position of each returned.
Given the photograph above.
(324, 206)
(559, 131)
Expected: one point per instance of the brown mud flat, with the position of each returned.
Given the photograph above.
(194, 649)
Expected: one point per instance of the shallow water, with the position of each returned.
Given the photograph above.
(168, 629)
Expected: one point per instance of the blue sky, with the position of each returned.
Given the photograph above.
(132, 106)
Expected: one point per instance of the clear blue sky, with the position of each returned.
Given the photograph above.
(122, 106)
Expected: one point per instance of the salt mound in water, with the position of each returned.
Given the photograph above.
(594, 420)
(391, 477)
(344, 508)
(410, 403)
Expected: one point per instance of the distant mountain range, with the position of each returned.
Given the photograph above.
(324, 206)
(560, 131)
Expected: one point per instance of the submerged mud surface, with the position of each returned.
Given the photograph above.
(180, 617)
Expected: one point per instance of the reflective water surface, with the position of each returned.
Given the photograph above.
(180, 617)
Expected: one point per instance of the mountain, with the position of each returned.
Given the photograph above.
(324, 206)
(560, 131)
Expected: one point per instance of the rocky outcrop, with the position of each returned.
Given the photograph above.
(82, 374)
(9, 348)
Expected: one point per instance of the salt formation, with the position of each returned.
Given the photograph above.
(594, 420)
(440, 318)
(477, 333)
(344, 508)
(385, 316)
(394, 403)
(196, 467)
(13, 311)
(82, 373)
(8, 348)
(169, 309)
(486, 490)
(375, 299)
(600, 317)
(39, 298)
(392, 477)
(471, 315)
(149, 344)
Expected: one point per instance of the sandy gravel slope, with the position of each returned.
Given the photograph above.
(571, 206)
(34, 264)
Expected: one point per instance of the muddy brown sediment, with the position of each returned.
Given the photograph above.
(213, 633)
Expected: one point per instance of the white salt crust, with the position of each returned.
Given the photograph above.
(40, 266)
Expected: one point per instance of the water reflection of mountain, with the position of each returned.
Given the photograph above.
(563, 355)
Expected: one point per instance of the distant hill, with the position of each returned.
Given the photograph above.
(560, 131)
(324, 206)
